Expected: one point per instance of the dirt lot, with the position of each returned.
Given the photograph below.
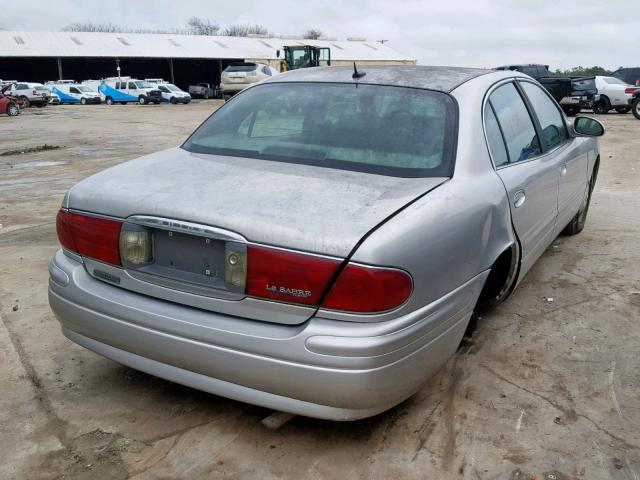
(548, 389)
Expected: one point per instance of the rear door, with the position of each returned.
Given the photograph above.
(530, 177)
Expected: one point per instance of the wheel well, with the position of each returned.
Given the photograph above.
(501, 278)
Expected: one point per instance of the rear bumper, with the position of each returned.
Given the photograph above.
(322, 368)
(233, 87)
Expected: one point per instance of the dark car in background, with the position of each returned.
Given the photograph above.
(572, 93)
(630, 75)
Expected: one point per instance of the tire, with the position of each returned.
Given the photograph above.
(576, 225)
(83, 101)
(142, 100)
(635, 108)
(602, 106)
(108, 101)
(123, 103)
(13, 110)
(26, 102)
(623, 109)
(173, 100)
(571, 111)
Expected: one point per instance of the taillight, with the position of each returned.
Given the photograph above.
(637, 83)
(93, 237)
(365, 289)
(288, 276)
(303, 278)
(630, 90)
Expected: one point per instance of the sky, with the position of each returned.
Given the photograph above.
(474, 33)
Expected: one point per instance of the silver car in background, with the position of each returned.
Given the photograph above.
(321, 242)
(238, 76)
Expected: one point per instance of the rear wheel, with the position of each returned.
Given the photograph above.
(83, 101)
(635, 108)
(576, 225)
(623, 109)
(602, 106)
(108, 101)
(13, 110)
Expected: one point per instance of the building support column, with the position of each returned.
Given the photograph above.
(60, 77)
(173, 80)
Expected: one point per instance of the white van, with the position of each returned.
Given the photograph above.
(170, 93)
(126, 90)
(74, 93)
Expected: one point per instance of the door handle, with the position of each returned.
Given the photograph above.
(519, 198)
(563, 170)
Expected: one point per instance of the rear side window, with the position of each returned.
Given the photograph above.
(554, 130)
(241, 67)
(517, 126)
(494, 138)
(395, 131)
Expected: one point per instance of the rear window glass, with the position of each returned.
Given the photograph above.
(241, 68)
(386, 130)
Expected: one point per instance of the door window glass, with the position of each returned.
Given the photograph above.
(132, 86)
(517, 126)
(554, 130)
(494, 138)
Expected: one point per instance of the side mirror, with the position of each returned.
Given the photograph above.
(277, 53)
(588, 127)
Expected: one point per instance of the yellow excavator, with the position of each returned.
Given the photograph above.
(304, 56)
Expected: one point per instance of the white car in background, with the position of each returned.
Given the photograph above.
(238, 76)
(170, 93)
(614, 95)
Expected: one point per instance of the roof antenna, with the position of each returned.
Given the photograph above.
(356, 74)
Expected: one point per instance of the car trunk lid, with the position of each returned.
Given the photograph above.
(298, 207)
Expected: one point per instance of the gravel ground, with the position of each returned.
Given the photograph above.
(545, 389)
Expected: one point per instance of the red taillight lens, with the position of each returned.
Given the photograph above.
(288, 276)
(630, 90)
(89, 236)
(364, 289)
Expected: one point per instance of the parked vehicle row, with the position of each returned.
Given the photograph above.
(110, 90)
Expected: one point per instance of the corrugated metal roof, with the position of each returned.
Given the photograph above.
(123, 45)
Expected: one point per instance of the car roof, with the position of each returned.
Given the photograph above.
(444, 79)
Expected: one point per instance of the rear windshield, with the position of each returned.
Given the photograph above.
(244, 67)
(387, 130)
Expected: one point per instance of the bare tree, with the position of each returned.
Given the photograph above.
(312, 34)
(201, 26)
(93, 27)
(244, 30)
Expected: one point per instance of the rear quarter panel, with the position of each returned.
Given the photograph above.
(456, 231)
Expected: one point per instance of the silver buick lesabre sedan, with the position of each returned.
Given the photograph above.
(320, 243)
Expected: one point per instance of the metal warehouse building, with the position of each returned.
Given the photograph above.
(183, 59)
